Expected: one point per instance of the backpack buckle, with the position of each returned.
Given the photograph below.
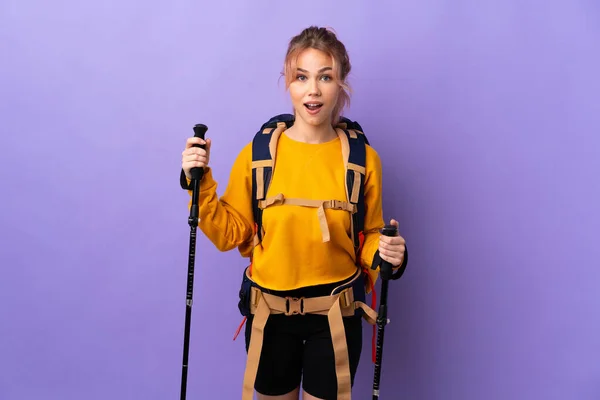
(255, 296)
(336, 204)
(346, 298)
(294, 306)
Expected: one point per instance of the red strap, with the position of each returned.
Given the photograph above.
(361, 242)
(239, 329)
(373, 305)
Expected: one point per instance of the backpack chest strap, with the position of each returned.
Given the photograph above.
(320, 205)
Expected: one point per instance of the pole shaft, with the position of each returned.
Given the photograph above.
(193, 222)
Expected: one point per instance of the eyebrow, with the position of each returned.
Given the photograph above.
(321, 70)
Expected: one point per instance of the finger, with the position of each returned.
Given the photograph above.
(392, 250)
(190, 151)
(196, 140)
(383, 244)
(394, 222)
(194, 151)
(208, 144)
(393, 256)
(397, 240)
(395, 249)
(386, 253)
(393, 240)
(386, 243)
(195, 157)
(193, 141)
(386, 239)
(199, 156)
(391, 259)
(193, 164)
(201, 159)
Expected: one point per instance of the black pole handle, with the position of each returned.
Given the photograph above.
(199, 132)
(385, 269)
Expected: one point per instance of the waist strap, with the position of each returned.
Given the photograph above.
(335, 306)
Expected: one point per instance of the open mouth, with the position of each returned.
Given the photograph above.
(313, 106)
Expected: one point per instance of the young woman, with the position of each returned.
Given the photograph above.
(294, 258)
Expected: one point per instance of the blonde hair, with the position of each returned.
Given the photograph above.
(325, 40)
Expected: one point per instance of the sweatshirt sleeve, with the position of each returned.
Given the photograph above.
(228, 221)
(373, 211)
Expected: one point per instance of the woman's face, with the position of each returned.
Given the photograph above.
(314, 90)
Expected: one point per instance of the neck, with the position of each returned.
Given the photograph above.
(303, 132)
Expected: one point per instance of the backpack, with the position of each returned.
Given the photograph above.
(264, 147)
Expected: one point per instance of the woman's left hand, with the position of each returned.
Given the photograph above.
(391, 248)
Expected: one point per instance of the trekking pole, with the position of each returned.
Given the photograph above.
(385, 271)
(197, 173)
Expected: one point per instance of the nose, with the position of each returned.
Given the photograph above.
(314, 89)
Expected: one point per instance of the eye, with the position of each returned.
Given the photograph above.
(326, 78)
(300, 77)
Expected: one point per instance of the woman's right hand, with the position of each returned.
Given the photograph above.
(193, 157)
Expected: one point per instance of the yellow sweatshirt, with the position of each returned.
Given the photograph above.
(292, 253)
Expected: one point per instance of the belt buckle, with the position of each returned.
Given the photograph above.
(294, 306)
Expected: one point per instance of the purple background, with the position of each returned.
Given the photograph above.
(486, 116)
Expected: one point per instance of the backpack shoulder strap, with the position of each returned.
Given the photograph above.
(264, 148)
(354, 152)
